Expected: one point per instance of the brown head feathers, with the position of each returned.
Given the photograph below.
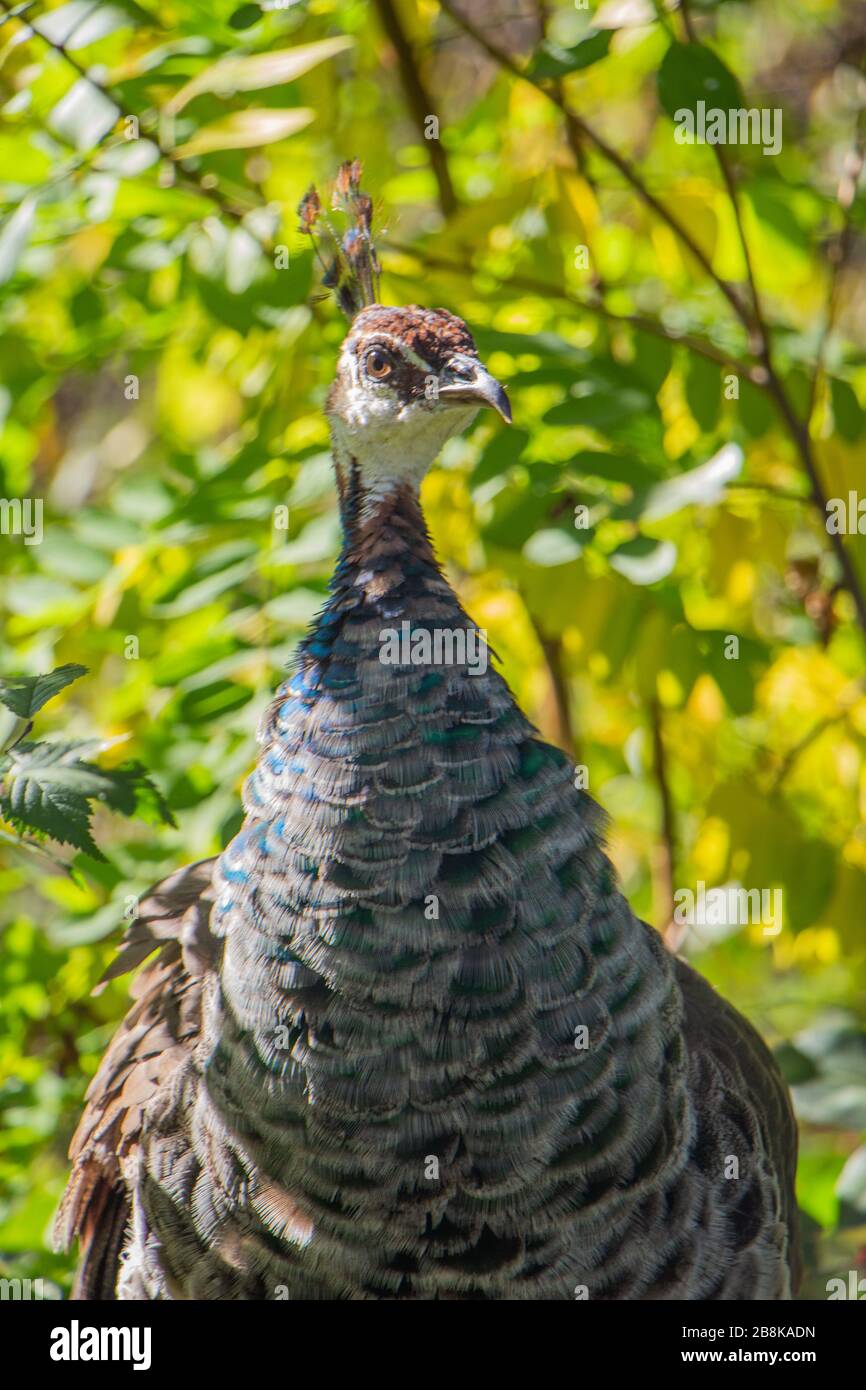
(433, 335)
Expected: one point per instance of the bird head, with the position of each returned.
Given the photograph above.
(407, 379)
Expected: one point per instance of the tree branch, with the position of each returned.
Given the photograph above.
(753, 373)
(841, 252)
(750, 316)
(197, 183)
(578, 128)
(419, 101)
(665, 858)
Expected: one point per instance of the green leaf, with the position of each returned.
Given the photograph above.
(704, 392)
(848, 414)
(690, 73)
(552, 546)
(245, 17)
(643, 560)
(132, 793)
(213, 701)
(250, 73)
(46, 790)
(552, 61)
(851, 1189)
(79, 24)
(24, 695)
(794, 1065)
(755, 410)
(84, 116)
(503, 451)
(14, 237)
(48, 787)
(701, 486)
(614, 468)
(596, 405)
(243, 129)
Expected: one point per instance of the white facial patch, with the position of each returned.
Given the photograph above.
(392, 440)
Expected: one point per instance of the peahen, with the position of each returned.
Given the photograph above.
(404, 1038)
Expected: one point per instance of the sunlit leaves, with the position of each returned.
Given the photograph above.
(251, 73)
(24, 695)
(242, 129)
(48, 789)
(83, 115)
(644, 561)
(14, 234)
(703, 485)
(79, 23)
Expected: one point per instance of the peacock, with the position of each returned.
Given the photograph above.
(404, 1038)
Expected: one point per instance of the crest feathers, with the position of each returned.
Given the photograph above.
(351, 266)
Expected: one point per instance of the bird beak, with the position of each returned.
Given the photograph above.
(466, 381)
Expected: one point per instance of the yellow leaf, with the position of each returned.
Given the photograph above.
(242, 129)
(251, 72)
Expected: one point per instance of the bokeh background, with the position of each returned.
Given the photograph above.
(164, 354)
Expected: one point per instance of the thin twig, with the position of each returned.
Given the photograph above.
(847, 702)
(558, 720)
(666, 848)
(840, 252)
(580, 128)
(419, 101)
(751, 372)
(194, 182)
(578, 152)
(750, 316)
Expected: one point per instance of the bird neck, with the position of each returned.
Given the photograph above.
(373, 458)
(385, 535)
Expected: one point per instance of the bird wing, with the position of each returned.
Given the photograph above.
(157, 1034)
(735, 1065)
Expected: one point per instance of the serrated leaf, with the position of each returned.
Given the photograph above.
(48, 788)
(243, 129)
(24, 695)
(49, 796)
(132, 793)
(253, 72)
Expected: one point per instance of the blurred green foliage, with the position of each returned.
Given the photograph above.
(163, 362)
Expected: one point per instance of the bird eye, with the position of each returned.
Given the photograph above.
(377, 363)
